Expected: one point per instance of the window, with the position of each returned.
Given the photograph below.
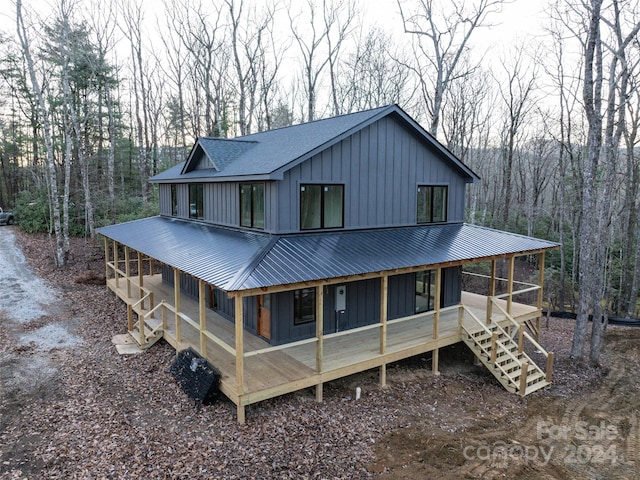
(174, 200)
(432, 204)
(196, 200)
(304, 306)
(321, 206)
(252, 205)
(425, 290)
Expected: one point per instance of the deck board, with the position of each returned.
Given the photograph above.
(278, 372)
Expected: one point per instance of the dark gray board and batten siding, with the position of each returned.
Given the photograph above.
(225, 306)
(221, 203)
(381, 167)
(362, 304)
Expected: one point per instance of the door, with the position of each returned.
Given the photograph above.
(264, 316)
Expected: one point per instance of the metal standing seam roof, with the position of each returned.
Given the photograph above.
(237, 260)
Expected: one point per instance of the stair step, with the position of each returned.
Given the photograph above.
(152, 332)
(536, 386)
(508, 365)
(516, 374)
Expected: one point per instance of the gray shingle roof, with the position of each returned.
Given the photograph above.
(233, 260)
(268, 153)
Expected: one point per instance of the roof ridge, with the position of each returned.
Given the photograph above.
(244, 273)
(235, 139)
(382, 107)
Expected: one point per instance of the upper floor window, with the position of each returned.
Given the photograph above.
(304, 306)
(432, 203)
(321, 206)
(174, 200)
(196, 200)
(252, 205)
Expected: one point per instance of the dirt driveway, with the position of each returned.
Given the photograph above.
(71, 407)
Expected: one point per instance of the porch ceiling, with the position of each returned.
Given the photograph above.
(234, 260)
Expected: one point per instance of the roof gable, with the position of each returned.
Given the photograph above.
(269, 154)
(215, 153)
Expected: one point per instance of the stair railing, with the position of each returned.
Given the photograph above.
(495, 344)
(524, 335)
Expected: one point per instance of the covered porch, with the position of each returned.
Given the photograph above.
(253, 370)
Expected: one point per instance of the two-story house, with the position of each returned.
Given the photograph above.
(295, 256)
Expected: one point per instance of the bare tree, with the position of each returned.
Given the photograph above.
(131, 13)
(517, 97)
(310, 48)
(338, 18)
(62, 250)
(442, 39)
(604, 106)
(246, 43)
(372, 74)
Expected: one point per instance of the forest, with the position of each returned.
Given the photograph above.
(99, 95)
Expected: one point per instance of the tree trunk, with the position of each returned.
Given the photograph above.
(62, 253)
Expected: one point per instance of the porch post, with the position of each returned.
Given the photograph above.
(116, 263)
(239, 324)
(541, 258)
(512, 263)
(203, 317)
(435, 356)
(176, 303)
(127, 270)
(319, 339)
(106, 262)
(436, 318)
(140, 279)
(492, 291)
(436, 302)
(384, 307)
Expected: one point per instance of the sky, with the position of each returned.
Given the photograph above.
(518, 19)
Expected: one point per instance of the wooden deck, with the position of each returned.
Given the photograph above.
(272, 371)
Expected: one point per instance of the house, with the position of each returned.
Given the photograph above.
(292, 257)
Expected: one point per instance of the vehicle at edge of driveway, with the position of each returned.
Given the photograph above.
(6, 218)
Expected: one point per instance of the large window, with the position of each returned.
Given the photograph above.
(432, 204)
(252, 205)
(321, 206)
(196, 200)
(174, 200)
(425, 290)
(304, 306)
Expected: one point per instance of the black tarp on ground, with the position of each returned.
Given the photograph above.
(197, 378)
(629, 322)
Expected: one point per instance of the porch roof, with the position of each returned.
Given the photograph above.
(237, 260)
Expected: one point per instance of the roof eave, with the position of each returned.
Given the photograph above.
(219, 179)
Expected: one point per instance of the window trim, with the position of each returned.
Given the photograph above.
(298, 318)
(174, 199)
(430, 296)
(322, 204)
(252, 206)
(197, 186)
(431, 213)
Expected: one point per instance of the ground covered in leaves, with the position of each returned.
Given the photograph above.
(71, 407)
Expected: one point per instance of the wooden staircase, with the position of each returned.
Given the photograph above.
(499, 353)
(501, 350)
(150, 332)
(148, 329)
